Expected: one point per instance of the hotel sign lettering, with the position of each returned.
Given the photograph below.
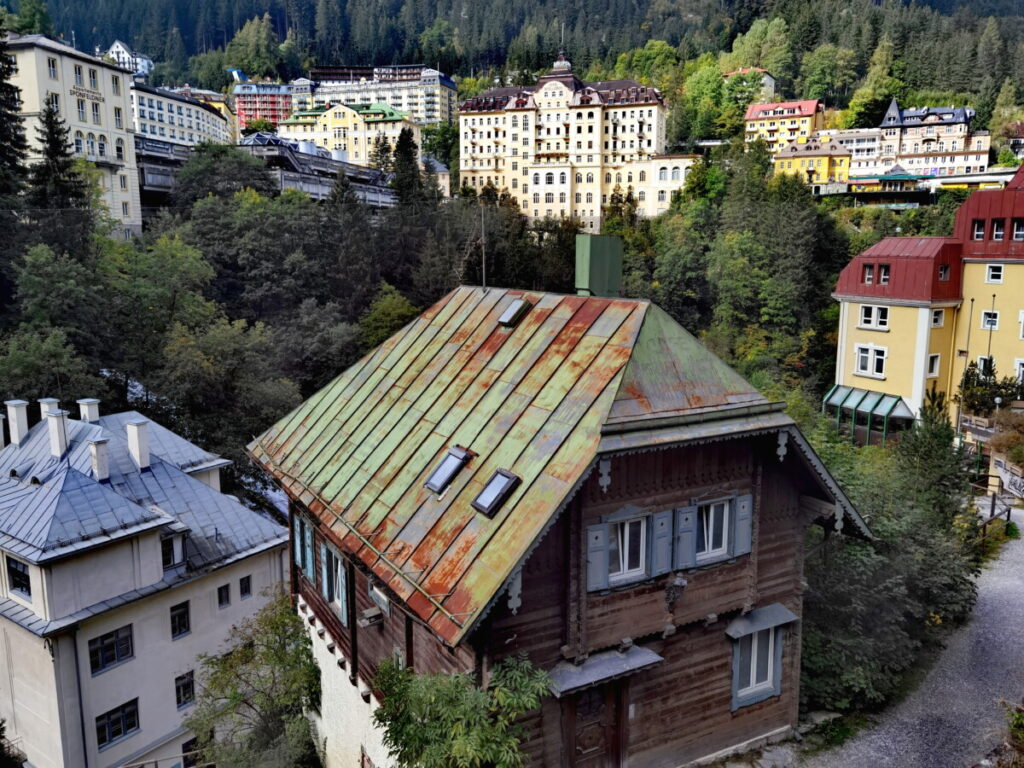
(88, 93)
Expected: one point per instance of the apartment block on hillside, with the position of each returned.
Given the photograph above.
(562, 148)
(92, 97)
(122, 562)
(781, 122)
(916, 311)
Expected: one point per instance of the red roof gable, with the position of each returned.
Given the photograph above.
(913, 270)
(989, 206)
(801, 109)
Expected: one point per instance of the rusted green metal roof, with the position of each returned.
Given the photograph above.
(533, 399)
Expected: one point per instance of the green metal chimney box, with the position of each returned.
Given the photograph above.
(598, 265)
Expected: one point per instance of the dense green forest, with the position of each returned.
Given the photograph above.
(463, 37)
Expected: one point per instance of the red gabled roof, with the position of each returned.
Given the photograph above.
(803, 109)
(987, 205)
(913, 270)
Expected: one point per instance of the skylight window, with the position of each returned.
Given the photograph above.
(514, 312)
(495, 492)
(450, 465)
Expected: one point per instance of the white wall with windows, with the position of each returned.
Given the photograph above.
(167, 116)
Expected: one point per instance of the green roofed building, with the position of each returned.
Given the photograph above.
(576, 478)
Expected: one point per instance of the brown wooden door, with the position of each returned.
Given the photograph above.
(594, 723)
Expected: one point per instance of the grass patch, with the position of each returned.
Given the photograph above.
(1012, 530)
(837, 732)
(999, 532)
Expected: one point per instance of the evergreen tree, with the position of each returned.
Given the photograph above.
(33, 18)
(58, 197)
(408, 184)
(13, 148)
(53, 182)
(380, 156)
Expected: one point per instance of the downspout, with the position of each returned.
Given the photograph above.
(967, 361)
(81, 703)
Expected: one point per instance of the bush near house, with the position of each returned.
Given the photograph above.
(1009, 436)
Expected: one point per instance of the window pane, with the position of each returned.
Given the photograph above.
(635, 528)
(719, 526)
(745, 643)
(614, 548)
(763, 649)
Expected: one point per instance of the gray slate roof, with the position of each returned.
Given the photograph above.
(168, 445)
(55, 507)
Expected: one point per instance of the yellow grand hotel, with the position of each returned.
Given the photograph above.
(918, 310)
(563, 147)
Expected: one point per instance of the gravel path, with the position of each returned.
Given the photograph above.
(953, 718)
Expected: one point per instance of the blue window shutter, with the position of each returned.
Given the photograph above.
(325, 585)
(743, 524)
(686, 538)
(735, 675)
(597, 556)
(308, 567)
(661, 543)
(342, 594)
(297, 538)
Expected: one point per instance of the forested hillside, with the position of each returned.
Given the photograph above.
(463, 36)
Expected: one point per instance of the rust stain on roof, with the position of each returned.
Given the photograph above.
(532, 400)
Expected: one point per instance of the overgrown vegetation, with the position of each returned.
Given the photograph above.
(447, 721)
(872, 608)
(251, 697)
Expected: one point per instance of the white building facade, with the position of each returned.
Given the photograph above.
(563, 148)
(425, 94)
(91, 96)
(161, 114)
(126, 58)
(121, 564)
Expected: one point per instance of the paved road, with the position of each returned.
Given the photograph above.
(953, 718)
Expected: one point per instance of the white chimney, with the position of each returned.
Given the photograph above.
(17, 412)
(46, 405)
(138, 442)
(89, 408)
(57, 424)
(100, 459)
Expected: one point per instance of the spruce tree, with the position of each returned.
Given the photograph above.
(12, 134)
(34, 18)
(57, 195)
(407, 169)
(53, 182)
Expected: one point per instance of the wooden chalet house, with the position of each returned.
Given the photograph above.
(573, 477)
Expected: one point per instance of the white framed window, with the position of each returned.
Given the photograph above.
(1018, 369)
(933, 366)
(883, 274)
(998, 229)
(756, 668)
(978, 229)
(1020, 321)
(1018, 229)
(986, 364)
(869, 274)
(993, 273)
(990, 320)
(870, 360)
(627, 550)
(874, 317)
(713, 534)
(938, 318)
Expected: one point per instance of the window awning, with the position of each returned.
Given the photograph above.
(869, 402)
(774, 615)
(567, 677)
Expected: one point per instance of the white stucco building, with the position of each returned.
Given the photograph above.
(122, 562)
(133, 61)
(91, 95)
(159, 113)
